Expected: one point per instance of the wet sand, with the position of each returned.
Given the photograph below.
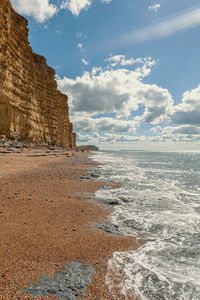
(47, 217)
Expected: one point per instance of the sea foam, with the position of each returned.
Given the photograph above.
(160, 200)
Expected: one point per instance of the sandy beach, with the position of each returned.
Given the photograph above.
(47, 220)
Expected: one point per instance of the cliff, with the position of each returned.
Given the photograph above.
(31, 107)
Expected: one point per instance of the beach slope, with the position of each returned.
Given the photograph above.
(47, 220)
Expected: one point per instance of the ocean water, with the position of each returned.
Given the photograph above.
(160, 202)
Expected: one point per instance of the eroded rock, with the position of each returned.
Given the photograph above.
(70, 284)
(109, 228)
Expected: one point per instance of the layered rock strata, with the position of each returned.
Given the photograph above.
(31, 107)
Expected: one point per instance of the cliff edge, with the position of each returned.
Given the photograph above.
(31, 107)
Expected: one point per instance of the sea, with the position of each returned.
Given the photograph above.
(159, 201)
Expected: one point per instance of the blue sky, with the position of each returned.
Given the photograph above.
(131, 68)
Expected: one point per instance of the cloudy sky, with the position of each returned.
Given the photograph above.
(131, 68)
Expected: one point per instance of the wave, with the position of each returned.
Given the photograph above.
(165, 210)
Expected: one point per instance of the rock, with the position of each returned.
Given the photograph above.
(109, 228)
(94, 174)
(125, 200)
(106, 187)
(37, 155)
(5, 152)
(71, 283)
(6, 144)
(134, 225)
(84, 178)
(108, 201)
(31, 107)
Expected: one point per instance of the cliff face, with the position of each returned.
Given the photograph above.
(31, 107)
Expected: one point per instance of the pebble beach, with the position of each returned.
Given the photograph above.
(48, 219)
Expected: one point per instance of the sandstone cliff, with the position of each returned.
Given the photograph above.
(31, 107)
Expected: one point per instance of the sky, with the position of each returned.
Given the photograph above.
(131, 68)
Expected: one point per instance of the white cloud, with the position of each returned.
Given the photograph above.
(76, 6)
(114, 101)
(40, 10)
(166, 142)
(80, 46)
(103, 124)
(119, 91)
(158, 103)
(183, 133)
(121, 60)
(182, 130)
(156, 129)
(85, 62)
(154, 7)
(113, 139)
(188, 111)
(174, 24)
(187, 115)
(85, 139)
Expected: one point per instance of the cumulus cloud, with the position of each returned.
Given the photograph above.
(76, 6)
(184, 119)
(119, 91)
(182, 133)
(40, 10)
(158, 103)
(121, 60)
(183, 129)
(122, 138)
(114, 101)
(114, 139)
(156, 129)
(171, 135)
(103, 124)
(188, 111)
(154, 7)
(85, 139)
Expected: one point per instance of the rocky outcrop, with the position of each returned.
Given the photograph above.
(31, 107)
(88, 148)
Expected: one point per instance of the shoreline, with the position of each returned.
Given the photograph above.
(33, 244)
